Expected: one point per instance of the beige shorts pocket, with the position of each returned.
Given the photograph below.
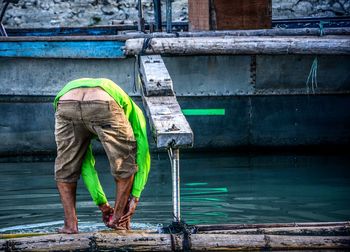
(64, 129)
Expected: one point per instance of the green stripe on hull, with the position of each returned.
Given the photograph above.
(203, 112)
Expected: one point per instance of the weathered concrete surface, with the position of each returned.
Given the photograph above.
(42, 13)
(265, 98)
(192, 76)
(249, 121)
(288, 72)
(210, 75)
(45, 77)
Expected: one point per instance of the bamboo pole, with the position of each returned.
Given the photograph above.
(211, 227)
(234, 33)
(334, 45)
(215, 242)
(322, 231)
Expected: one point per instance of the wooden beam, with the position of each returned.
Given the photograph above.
(198, 15)
(241, 14)
(156, 78)
(143, 241)
(260, 32)
(168, 124)
(331, 45)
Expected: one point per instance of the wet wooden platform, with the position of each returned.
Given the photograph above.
(286, 236)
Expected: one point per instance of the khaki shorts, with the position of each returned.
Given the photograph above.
(77, 122)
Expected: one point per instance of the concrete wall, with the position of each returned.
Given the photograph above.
(43, 13)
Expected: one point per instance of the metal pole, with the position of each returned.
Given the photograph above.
(2, 14)
(3, 10)
(157, 15)
(2, 30)
(175, 172)
(168, 16)
(141, 23)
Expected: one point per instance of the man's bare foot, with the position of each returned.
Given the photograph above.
(69, 228)
(116, 226)
(66, 230)
(107, 212)
(114, 223)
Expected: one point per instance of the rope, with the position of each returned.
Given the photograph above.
(145, 45)
(312, 77)
(181, 228)
(321, 27)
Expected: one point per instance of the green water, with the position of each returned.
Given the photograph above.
(215, 188)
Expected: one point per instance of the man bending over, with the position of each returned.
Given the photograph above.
(98, 108)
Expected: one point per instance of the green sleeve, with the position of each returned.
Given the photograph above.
(90, 177)
(143, 160)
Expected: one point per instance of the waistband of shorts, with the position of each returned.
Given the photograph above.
(110, 103)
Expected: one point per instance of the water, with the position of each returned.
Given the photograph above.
(215, 188)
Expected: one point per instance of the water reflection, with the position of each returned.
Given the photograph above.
(215, 188)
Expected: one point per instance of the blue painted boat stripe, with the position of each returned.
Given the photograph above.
(62, 49)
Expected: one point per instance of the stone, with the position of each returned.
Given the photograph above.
(43, 13)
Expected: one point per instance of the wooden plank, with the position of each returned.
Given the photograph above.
(333, 45)
(241, 14)
(168, 125)
(155, 76)
(198, 15)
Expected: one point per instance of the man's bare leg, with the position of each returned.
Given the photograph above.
(68, 198)
(123, 191)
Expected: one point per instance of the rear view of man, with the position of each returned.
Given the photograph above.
(98, 108)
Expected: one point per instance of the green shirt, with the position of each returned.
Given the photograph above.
(138, 123)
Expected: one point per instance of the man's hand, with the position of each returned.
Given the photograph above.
(107, 212)
(130, 208)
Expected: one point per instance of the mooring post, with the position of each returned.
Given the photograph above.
(174, 155)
